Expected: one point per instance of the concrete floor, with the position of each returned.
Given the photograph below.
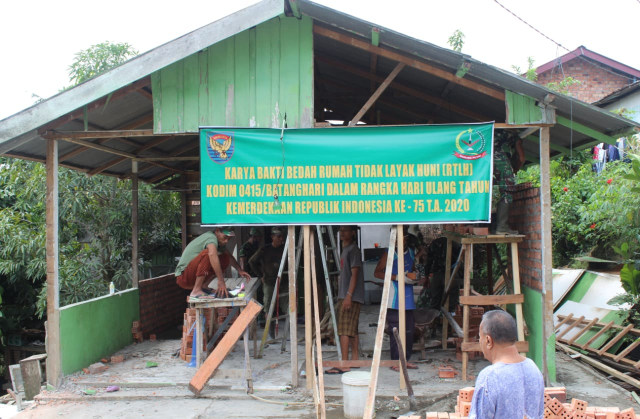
(162, 392)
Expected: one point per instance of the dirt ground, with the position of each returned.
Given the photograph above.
(161, 392)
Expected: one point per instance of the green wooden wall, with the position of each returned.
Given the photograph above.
(533, 317)
(96, 328)
(522, 109)
(249, 80)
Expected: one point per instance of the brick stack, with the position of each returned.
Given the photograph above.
(138, 336)
(525, 217)
(475, 317)
(555, 407)
(187, 333)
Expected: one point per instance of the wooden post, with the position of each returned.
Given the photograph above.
(308, 325)
(54, 359)
(489, 250)
(377, 349)
(183, 213)
(293, 307)
(547, 267)
(401, 298)
(377, 94)
(316, 317)
(134, 223)
(247, 361)
(447, 275)
(468, 267)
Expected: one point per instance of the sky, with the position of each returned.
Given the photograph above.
(39, 38)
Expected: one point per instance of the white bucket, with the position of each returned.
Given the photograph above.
(355, 389)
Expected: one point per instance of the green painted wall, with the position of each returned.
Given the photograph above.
(522, 109)
(96, 328)
(533, 316)
(249, 80)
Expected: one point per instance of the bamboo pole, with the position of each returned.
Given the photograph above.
(293, 307)
(316, 317)
(401, 298)
(377, 349)
(308, 337)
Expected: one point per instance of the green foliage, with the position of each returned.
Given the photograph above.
(563, 85)
(98, 59)
(530, 74)
(456, 41)
(624, 112)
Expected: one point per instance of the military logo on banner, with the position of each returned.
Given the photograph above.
(470, 144)
(220, 146)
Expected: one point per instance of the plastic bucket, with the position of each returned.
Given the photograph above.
(355, 389)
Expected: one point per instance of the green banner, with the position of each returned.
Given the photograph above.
(357, 175)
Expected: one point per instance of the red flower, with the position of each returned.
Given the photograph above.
(565, 189)
(609, 181)
(593, 226)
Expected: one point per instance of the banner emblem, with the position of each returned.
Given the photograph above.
(220, 147)
(470, 144)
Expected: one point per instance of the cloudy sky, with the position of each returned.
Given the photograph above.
(38, 38)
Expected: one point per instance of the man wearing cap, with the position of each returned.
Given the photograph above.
(265, 263)
(248, 249)
(205, 257)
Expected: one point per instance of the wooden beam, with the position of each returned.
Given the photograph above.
(398, 68)
(308, 326)
(402, 322)
(316, 318)
(502, 125)
(206, 371)
(134, 225)
(65, 135)
(583, 129)
(293, 307)
(138, 122)
(412, 62)
(377, 348)
(151, 144)
(405, 89)
(552, 146)
(492, 300)
(53, 347)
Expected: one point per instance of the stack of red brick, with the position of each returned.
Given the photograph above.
(189, 330)
(467, 229)
(136, 332)
(475, 317)
(555, 407)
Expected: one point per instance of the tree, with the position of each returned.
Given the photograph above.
(97, 59)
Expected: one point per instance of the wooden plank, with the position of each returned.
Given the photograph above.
(492, 238)
(565, 320)
(308, 326)
(585, 329)
(492, 300)
(306, 67)
(401, 297)
(522, 346)
(223, 348)
(468, 268)
(515, 269)
(571, 326)
(293, 307)
(330, 363)
(600, 366)
(613, 341)
(597, 335)
(289, 72)
(377, 348)
(412, 62)
(627, 350)
(447, 274)
(316, 317)
(243, 64)
(583, 129)
(398, 68)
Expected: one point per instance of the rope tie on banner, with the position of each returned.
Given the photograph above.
(275, 193)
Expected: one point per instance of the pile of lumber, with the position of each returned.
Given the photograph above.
(555, 406)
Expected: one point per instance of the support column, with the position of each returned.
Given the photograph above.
(134, 223)
(548, 351)
(308, 323)
(54, 358)
(402, 321)
(293, 307)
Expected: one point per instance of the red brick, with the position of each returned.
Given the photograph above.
(97, 368)
(466, 394)
(115, 359)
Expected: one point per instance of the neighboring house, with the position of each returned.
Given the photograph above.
(626, 100)
(599, 76)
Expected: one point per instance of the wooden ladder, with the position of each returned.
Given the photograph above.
(581, 326)
(467, 300)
